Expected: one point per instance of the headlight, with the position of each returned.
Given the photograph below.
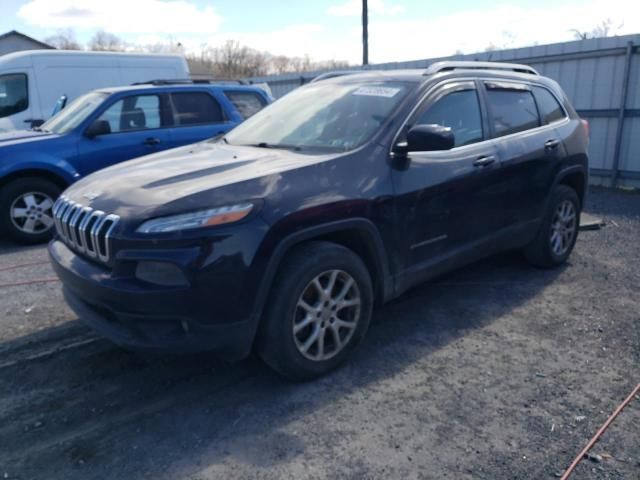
(201, 218)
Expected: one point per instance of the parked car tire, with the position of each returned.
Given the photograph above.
(26, 209)
(559, 230)
(318, 311)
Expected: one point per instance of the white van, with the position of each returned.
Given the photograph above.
(32, 82)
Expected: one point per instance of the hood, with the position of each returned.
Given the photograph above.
(197, 175)
(14, 137)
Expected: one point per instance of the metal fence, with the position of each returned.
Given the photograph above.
(601, 77)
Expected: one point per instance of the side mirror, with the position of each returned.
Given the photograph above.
(99, 127)
(60, 104)
(429, 138)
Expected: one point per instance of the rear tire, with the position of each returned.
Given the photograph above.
(26, 209)
(558, 232)
(318, 311)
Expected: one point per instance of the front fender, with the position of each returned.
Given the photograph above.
(32, 162)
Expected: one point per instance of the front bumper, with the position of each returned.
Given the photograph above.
(211, 314)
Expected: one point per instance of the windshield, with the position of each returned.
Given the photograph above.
(324, 116)
(74, 114)
(13, 94)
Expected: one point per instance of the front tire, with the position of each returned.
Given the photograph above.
(318, 311)
(26, 209)
(558, 233)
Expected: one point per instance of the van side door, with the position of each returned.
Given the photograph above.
(529, 149)
(135, 127)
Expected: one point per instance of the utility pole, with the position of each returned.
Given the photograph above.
(365, 33)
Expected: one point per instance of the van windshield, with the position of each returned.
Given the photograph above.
(73, 115)
(13, 94)
(325, 116)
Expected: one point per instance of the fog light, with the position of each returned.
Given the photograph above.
(161, 273)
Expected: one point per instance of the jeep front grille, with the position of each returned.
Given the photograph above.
(84, 229)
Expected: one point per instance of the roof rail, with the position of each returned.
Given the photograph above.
(189, 81)
(458, 65)
(335, 73)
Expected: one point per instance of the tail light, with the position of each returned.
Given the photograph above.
(585, 125)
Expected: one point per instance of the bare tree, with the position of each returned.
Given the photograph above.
(233, 60)
(508, 39)
(605, 28)
(230, 60)
(280, 64)
(64, 40)
(492, 47)
(578, 35)
(106, 42)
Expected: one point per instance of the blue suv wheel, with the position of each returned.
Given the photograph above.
(26, 209)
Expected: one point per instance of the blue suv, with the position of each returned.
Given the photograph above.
(102, 128)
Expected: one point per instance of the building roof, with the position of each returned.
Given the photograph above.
(26, 37)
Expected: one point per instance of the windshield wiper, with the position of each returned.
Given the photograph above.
(40, 129)
(276, 145)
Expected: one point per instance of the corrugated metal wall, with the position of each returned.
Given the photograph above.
(592, 73)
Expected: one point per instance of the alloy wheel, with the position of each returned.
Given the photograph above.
(326, 315)
(31, 212)
(563, 228)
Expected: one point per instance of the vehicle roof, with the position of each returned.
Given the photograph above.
(417, 75)
(178, 87)
(79, 53)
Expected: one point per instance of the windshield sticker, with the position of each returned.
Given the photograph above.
(377, 91)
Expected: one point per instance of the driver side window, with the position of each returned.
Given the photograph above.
(458, 110)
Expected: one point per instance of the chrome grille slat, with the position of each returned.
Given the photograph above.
(73, 222)
(85, 238)
(84, 229)
(65, 220)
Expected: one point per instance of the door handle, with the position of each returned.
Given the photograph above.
(151, 141)
(551, 144)
(484, 161)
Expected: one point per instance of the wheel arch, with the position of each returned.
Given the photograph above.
(358, 235)
(54, 177)
(576, 178)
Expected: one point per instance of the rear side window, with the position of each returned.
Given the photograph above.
(195, 108)
(550, 109)
(459, 111)
(512, 111)
(13, 94)
(247, 103)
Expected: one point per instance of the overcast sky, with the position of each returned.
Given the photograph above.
(326, 29)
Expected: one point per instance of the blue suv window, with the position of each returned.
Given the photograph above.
(195, 108)
(247, 103)
(138, 112)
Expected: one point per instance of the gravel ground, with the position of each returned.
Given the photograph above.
(496, 371)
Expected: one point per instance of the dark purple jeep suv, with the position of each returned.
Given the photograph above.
(283, 234)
